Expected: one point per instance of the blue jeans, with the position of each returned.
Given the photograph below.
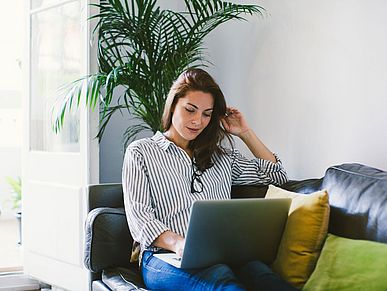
(159, 275)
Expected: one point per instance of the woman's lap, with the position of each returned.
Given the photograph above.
(159, 275)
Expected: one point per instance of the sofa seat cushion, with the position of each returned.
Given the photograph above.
(347, 264)
(304, 234)
(98, 285)
(123, 279)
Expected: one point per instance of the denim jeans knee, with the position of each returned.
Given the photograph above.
(256, 275)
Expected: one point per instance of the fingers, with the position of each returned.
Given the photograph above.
(180, 247)
(225, 124)
(231, 110)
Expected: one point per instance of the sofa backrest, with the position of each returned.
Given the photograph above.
(105, 195)
(358, 199)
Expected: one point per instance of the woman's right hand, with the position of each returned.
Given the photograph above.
(171, 241)
(179, 247)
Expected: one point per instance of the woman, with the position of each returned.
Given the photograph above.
(165, 174)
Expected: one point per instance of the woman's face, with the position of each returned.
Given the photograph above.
(190, 116)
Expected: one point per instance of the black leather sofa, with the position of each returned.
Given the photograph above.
(357, 194)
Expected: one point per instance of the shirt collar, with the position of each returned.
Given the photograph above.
(161, 140)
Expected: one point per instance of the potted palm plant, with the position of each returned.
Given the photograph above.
(142, 49)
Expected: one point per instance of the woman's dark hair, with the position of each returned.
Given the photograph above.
(208, 142)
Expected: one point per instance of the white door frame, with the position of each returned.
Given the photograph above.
(54, 185)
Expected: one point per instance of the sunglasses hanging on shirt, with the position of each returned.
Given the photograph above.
(196, 182)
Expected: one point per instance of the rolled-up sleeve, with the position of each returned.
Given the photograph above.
(140, 213)
(256, 171)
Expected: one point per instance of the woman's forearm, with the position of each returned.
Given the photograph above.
(256, 146)
(171, 241)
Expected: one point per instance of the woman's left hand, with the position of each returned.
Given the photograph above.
(234, 122)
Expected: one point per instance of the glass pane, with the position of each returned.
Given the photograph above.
(41, 3)
(55, 60)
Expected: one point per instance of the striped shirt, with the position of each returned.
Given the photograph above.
(157, 177)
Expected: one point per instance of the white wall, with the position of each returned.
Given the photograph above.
(111, 148)
(311, 79)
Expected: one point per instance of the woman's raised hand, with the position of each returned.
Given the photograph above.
(234, 122)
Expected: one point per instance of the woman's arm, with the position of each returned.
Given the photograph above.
(235, 123)
(266, 168)
(256, 146)
(144, 226)
(170, 241)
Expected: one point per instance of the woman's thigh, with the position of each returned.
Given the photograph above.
(159, 275)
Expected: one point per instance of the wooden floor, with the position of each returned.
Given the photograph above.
(11, 269)
(10, 250)
(18, 282)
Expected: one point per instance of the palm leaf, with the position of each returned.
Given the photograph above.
(132, 131)
(143, 49)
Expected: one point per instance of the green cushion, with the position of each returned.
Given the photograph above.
(347, 264)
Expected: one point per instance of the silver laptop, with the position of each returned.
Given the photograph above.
(232, 232)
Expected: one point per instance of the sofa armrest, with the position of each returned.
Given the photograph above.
(108, 241)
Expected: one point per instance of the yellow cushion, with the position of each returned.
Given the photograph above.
(304, 234)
